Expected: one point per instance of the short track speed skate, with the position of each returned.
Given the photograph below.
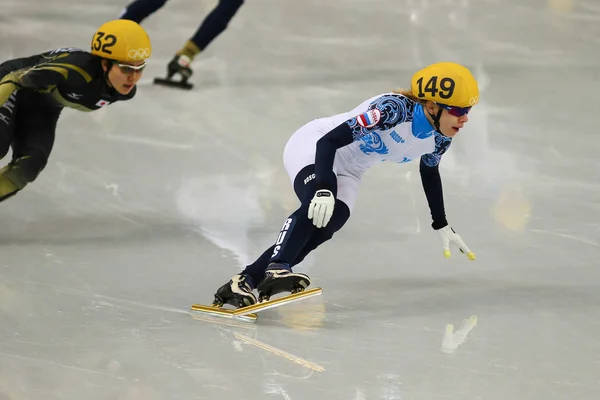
(276, 281)
(279, 280)
(179, 65)
(237, 293)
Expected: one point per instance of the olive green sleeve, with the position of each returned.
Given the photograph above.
(7, 87)
(43, 73)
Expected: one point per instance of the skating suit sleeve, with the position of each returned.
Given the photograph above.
(66, 77)
(10, 74)
(432, 181)
(383, 113)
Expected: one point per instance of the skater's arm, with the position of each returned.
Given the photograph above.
(45, 74)
(338, 137)
(432, 185)
(385, 112)
(432, 182)
(7, 83)
(43, 80)
(6, 89)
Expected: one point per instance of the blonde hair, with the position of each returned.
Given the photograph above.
(407, 93)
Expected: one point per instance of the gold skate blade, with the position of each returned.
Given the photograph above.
(222, 312)
(265, 305)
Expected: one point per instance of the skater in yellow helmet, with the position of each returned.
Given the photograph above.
(35, 89)
(124, 47)
(326, 159)
(445, 86)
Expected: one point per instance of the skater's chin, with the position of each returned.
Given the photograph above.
(126, 88)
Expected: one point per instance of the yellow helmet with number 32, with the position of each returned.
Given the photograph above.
(446, 83)
(121, 40)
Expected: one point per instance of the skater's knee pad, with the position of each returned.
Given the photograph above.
(305, 184)
(26, 169)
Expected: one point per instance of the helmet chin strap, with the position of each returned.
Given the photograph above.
(436, 119)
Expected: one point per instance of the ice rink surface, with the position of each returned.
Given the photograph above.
(149, 206)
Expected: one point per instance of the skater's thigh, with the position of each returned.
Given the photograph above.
(34, 137)
(301, 148)
(345, 190)
(305, 184)
(347, 187)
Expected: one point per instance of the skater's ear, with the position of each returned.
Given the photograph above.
(106, 64)
(431, 107)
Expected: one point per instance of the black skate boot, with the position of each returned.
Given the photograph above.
(279, 278)
(180, 64)
(237, 292)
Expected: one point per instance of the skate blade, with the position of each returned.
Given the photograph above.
(265, 305)
(172, 83)
(222, 312)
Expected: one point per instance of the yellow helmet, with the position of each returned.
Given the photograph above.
(121, 40)
(446, 83)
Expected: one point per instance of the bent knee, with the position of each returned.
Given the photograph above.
(26, 169)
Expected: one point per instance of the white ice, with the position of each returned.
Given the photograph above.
(147, 207)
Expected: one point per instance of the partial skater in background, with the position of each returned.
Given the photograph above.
(213, 25)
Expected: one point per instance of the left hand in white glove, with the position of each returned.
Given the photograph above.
(448, 235)
(321, 206)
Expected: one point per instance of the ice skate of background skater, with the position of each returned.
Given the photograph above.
(326, 159)
(212, 26)
(35, 89)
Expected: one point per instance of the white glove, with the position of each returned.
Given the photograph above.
(448, 235)
(321, 206)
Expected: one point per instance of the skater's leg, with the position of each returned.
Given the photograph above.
(278, 276)
(257, 269)
(211, 27)
(141, 9)
(347, 190)
(341, 214)
(32, 142)
(295, 233)
(298, 228)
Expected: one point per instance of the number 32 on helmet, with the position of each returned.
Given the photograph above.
(121, 40)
